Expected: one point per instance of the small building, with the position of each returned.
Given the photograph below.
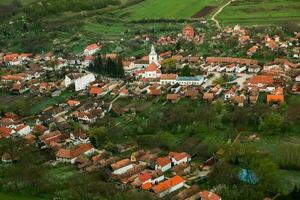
(81, 80)
(91, 49)
(178, 158)
(163, 164)
(173, 98)
(70, 155)
(121, 166)
(168, 186)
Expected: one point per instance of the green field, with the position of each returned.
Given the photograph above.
(155, 9)
(16, 196)
(260, 12)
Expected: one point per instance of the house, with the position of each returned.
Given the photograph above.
(190, 80)
(207, 195)
(254, 68)
(88, 60)
(5, 132)
(168, 79)
(221, 68)
(230, 93)
(208, 97)
(121, 166)
(178, 158)
(152, 71)
(191, 193)
(297, 79)
(135, 156)
(48, 138)
(168, 186)
(276, 96)
(163, 164)
(23, 129)
(230, 68)
(240, 68)
(238, 100)
(188, 32)
(262, 82)
(91, 49)
(81, 80)
(173, 98)
(95, 91)
(70, 155)
(252, 50)
(192, 93)
(73, 103)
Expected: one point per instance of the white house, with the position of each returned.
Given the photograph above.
(190, 80)
(221, 68)
(230, 68)
(241, 68)
(91, 49)
(23, 130)
(121, 166)
(80, 80)
(297, 78)
(163, 164)
(178, 158)
(168, 186)
(70, 155)
(254, 69)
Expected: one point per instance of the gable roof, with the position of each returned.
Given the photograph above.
(168, 184)
(120, 164)
(75, 152)
(152, 67)
(179, 156)
(163, 161)
(168, 77)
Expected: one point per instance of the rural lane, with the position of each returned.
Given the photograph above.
(213, 18)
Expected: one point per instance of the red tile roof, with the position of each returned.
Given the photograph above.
(261, 79)
(163, 161)
(75, 152)
(10, 57)
(147, 186)
(144, 176)
(206, 195)
(92, 47)
(5, 132)
(179, 156)
(120, 164)
(168, 184)
(95, 90)
(152, 67)
(168, 77)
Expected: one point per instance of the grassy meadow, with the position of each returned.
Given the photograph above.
(155, 9)
(260, 12)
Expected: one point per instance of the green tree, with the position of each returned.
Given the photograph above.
(271, 123)
(186, 71)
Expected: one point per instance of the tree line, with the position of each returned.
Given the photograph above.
(107, 66)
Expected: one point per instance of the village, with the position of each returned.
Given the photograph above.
(164, 77)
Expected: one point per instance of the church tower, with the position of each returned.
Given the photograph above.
(153, 57)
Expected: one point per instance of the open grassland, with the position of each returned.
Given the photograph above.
(16, 196)
(155, 9)
(23, 2)
(260, 12)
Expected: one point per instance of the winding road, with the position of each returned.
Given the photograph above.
(213, 18)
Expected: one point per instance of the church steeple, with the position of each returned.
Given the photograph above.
(153, 57)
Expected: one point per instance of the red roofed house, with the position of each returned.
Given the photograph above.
(163, 164)
(73, 103)
(121, 166)
(168, 186)
(276, 96)
(188, 32)
(95, 91)
(91, 49)
(206, 195)
(11, 59)
(70, 155)
(152, 71)
(144, 177)
(178, 158)
(263, 83)
(168, 79)
(5, 132)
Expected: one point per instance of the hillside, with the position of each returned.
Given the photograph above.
(69, 25)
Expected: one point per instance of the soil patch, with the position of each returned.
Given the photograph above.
(205, 11)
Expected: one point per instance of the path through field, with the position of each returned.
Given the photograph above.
(218, 11)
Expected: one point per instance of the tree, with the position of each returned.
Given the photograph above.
(168, 66)
(267, 173)
(272, 123)
(185, 71)
(99, 135)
